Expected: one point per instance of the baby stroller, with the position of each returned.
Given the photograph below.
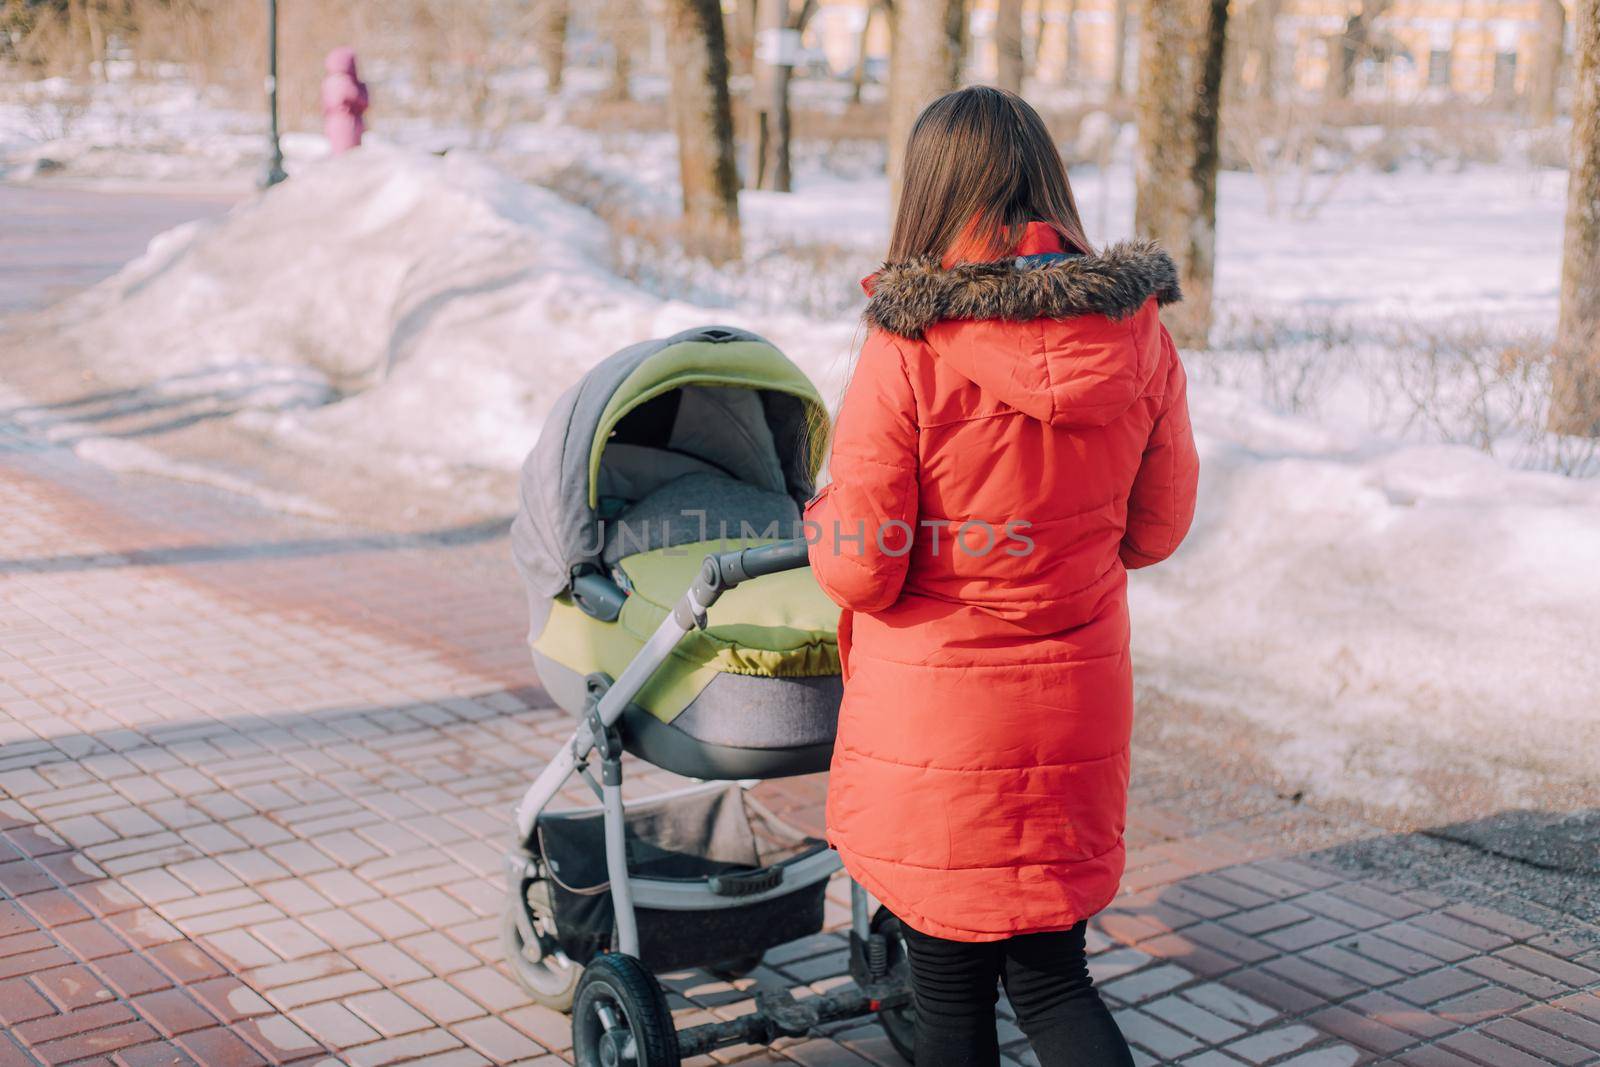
(673, 619)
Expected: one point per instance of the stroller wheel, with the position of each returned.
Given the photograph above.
(527, 936)
(620, 1017)
(899, 1024)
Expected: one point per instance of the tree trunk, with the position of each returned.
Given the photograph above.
(702, 117)
(1182, 47)
(858, 77)
(1073, 59)
(1545, 77)
(1575, 400)
(955, 28)
(1347, 49)
(1034, 42)
(742, 37)
(1008, 45)
(552, 41)
(1120, 17)
(1264, 43)
(617, 29)
(769, 100)
(924, 63)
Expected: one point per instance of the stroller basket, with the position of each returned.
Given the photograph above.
(727, 887)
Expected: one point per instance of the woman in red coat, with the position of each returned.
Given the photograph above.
(1014, 439)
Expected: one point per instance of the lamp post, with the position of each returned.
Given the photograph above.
(273, 173)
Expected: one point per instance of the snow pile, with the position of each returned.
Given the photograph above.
(1396, 613)
(443, 305)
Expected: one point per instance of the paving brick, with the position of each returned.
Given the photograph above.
(1146, 983)
(1487, 1003)
(334, 1025)
(1331, 1056)
(93, 1043)
(1193, 957)
(275, 1037)
(489, 987)
(1439, 985)
(1358, 1029)
(500, 1042)
(1230, 943)
(131, 974)
(1512, 927)
(1508, 974)
(1569, 1025)
(1389, 954)
(155, 1054)
(186, 962)
(1545, 964)
(1303, 935)
(218, 1047)
(229, 999)
(1270, 917)
(1486, 1050)
(1352, 965)
(20, 1002)
(1154, 1036)
(1538, 1042)
(387, 1013)
(440, 1001)
(388, 964)
(1230, 1004)
(1312, 977)
(71, 987)
(1194, 1019)
(397, 1049)
(1465, 933)
(1272, 1044)
(173, 1011)
(1396, 1013)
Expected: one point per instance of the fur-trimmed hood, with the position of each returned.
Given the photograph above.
(1070, 340)
(907, 298)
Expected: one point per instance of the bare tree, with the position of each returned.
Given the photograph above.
(1253, 66)
(1008, 45)
(551, 37)
(618, 25)
(924, 63)
(1072, 62)
(769, 99)
(1544, 78)
(858, 76)
(1575, 402)
(1346, 49)
(1121, 17)
(742, 37)
(1182, 47)
(702, 117)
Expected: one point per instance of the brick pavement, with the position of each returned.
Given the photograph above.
(255, 775)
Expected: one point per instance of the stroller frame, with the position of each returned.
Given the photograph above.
(878, 987)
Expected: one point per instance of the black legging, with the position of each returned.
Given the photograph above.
(1047, 978)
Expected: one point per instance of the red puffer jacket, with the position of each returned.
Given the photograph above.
(1015, 437)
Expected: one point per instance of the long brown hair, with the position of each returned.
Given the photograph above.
(980, 166)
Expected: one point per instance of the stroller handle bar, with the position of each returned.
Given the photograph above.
(720, 572)
(728, 569)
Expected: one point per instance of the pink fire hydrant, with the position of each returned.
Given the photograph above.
(344, 101)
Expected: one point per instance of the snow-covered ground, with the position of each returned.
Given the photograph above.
(1392, 611)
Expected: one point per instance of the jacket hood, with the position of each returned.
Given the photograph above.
(1037, 332)
(341, 60)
